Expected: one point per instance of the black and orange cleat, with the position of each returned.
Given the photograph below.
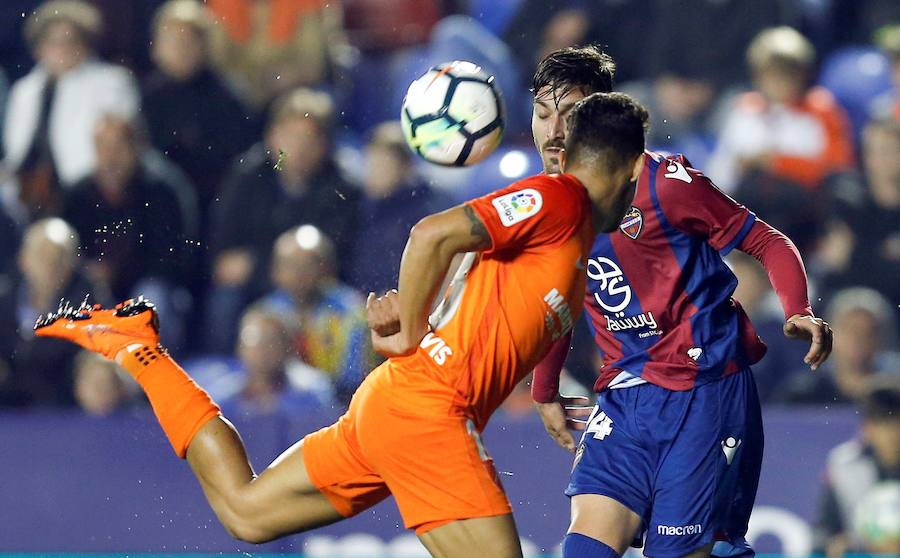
(106, 332)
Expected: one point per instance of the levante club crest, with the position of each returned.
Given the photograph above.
(632, 223)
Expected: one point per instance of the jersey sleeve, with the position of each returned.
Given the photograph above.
(694, 205)
(541, 210)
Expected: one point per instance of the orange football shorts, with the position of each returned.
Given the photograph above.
(435, 466)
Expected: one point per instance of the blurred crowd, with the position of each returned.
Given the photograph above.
(240, 163)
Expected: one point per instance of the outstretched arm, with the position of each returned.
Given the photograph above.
(432, 244)
(782, 262)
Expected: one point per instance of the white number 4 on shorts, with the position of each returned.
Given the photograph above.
(600, 426)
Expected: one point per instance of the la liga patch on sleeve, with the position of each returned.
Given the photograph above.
(515, 207)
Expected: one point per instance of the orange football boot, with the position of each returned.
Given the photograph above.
(106, 332)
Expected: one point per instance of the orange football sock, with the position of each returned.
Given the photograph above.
(181, 406)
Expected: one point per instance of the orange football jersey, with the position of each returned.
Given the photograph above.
(505, 306)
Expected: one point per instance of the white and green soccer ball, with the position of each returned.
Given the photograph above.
(453, 114)
(877, 516)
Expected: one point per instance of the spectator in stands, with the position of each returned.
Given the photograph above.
(856, 472)
(272, 380)
(780, 142)
(39, 371)
(393, 200)
(192, 115)
(269, 46)
(864, 344)
(331, 332)
(52, 111)
(864, 230)
(787, 127)
(288, 180)
(131, 224)
(102, 388)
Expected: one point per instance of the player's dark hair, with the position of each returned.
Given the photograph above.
(586, 68)
(609, 127)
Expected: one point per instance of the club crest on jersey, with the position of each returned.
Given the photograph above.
(632, 223)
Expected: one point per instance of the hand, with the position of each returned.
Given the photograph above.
(812, 329)
(383, 318)
(383, 313)
(567, 413)
(395, 345)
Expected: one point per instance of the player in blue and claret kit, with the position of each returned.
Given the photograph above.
(671, 454)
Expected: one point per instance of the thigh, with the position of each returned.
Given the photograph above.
(487, 537)
(284, 499)
(436, 467)
(337, 469)
(706, 484)
(604, 519)
(613, 459)
(281, 501)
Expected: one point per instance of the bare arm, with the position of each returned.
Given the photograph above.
(433, 243)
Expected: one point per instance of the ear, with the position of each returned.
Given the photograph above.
(638, 167)
(562, 161)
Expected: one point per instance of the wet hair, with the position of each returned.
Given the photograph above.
(607, 127)
(586, 68)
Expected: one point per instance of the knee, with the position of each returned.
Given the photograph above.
(243, 524)
(248, 533)
(246, 530)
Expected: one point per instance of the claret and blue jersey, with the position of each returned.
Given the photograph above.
(659, 294)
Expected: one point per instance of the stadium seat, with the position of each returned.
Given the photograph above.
(856, 76)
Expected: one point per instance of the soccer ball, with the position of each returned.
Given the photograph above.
(453, 114)
(877, 516)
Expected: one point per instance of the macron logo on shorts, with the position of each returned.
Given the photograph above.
(517, 206)
(679, 531)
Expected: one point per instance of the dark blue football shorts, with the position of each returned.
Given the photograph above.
(686, 462)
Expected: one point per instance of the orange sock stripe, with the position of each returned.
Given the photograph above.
(181, 406)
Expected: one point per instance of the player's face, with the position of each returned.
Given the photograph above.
(548, 125)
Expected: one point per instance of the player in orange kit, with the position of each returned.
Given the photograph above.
(412, 428)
